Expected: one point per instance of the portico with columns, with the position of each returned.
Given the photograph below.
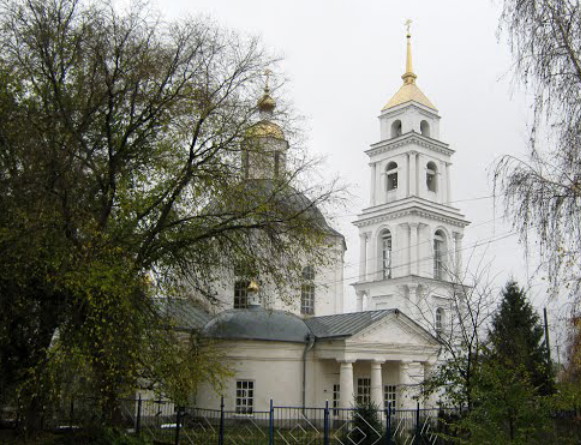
(377, 356)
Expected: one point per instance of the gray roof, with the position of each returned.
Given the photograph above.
(184, 313)
(345, 325)
(257, 323)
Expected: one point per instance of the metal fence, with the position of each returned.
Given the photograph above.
(166, 423)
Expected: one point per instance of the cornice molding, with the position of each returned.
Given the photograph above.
(407, 139)
(430, 215)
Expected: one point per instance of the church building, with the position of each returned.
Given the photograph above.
(307, 351)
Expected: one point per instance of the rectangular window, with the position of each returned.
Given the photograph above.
(308, 299)
(241, 294)
(363, 391)
(336, 398)
(244, 396)
(389, 396)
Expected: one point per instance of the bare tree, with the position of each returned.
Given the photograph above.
(458, 314)
(542, 192)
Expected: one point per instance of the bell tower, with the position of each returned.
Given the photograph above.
(410, 234)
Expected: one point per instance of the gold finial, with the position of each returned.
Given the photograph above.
(409, 75)
(267, 74)
(266, 103)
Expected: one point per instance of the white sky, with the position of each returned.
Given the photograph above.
(344, 60)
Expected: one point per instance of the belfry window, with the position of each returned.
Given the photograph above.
(391, 172)
(386, 250)
(308, 291)
(431, 182)
(425, 128)
(396, 129)
(439, 247)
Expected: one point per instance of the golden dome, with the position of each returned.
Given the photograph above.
(409, 92)
(266, 103)
(265, 129)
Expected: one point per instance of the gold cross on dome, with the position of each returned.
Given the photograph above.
(267, 74)
(408, 24)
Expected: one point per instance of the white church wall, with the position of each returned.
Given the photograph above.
(275, 368)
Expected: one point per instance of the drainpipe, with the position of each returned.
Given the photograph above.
(310, 342)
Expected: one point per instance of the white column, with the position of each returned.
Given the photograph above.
(420, 175)
(376, 384)
(370, 268)
(413, 174)
(414, 248)
(442, 181)
(411, 376)
(448, 189)
(346, 396)
(363, 237)
(458, 254)
(373, 183)
(408, 176)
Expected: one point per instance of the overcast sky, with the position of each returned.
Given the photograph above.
(344, 60)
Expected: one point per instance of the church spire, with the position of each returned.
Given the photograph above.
(409, 91)
(409, 76)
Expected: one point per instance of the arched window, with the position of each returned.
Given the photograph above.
(425, 128)
(386, 250)
(440, 321)
(431, 181)
(396, 129)
(308, 291)
(241, 294)
(439, 252)
(391, 172)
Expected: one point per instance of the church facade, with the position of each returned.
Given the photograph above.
(305, 351)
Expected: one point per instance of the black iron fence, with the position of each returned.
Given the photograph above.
(166, 423)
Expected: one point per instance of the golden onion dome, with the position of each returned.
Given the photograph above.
(266, 103)
(265, 129)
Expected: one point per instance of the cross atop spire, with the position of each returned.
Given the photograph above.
(409, 76)
(266, 103)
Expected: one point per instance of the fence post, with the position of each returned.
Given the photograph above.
(221, 433)
(418, 424)
(388, 424)
(326, 429)
(271, 424)
(178, 422)
(71, 412)
(138, 418)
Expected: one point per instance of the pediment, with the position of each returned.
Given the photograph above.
(394, 329)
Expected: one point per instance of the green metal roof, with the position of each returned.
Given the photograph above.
(345, 325)
(257, 323)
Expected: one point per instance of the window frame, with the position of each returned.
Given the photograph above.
(439, 256)
(389, 396)
(363, 390)
(386, 254)
(431, 177)
(308, 290)
(244, 400)
(241, 294)
(392, 176)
